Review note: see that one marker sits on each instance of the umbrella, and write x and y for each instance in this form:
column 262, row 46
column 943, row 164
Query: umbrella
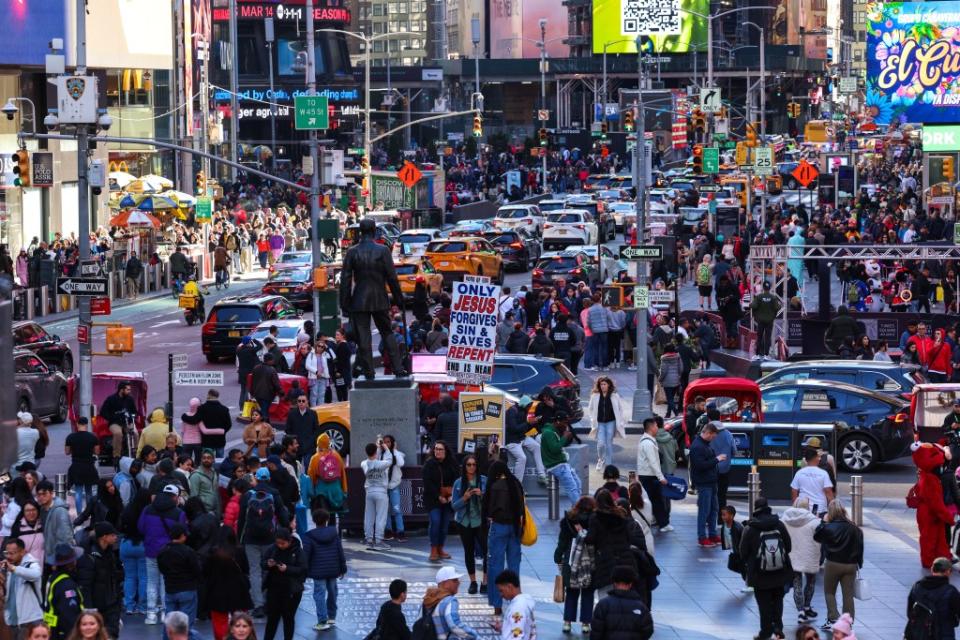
column 120, row 179
column 151, row 202
column 135, row 218
column 181, row 198
column 158, row 182
column 142, row 186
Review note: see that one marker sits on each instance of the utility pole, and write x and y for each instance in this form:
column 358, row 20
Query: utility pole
column 367, row 182
column 85, row 320
column 315, row 161
column 204, row 50
column 234, row 84
column 543, row 97
column 268, row 31
column 641, row 395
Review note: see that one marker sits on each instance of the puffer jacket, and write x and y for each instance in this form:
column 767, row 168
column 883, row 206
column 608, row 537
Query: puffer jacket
column 324, row 550
column 622, row 615
column 610, row 536
column 671, row 368
column 805, row 552
column 517, row 342
column 155, row 523
column 598, row 319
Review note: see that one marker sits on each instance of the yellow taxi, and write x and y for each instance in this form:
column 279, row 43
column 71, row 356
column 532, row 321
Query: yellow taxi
column 410, row 269
column 456, row 257
column 334, row 419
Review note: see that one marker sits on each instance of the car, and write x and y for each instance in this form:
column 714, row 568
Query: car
column 518, row 248
column 286, row 338
column 409, row 269
column 879, row 425
column 527, row 375
column 413, row 242
column 295, row 283
column 596, row 181
column 624, row 214
column 233, row 317
column 687, row 190
column 572, row 265
column 692, row 217
column 608, row 196
column 386, row 234
column 551, row 204
column 293, row 259
column 565, row 227
column 890, row 378
column 30, row 336
column 456, row 257
column 603, row 218
column 471, row 228
column 724, row 196
column 519, row 216
column 39, row 389
column 610, row 262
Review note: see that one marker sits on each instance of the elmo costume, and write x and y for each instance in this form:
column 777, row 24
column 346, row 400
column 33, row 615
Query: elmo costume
column 932, row 514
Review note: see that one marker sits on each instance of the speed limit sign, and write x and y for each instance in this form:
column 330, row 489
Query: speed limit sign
column 763, row 161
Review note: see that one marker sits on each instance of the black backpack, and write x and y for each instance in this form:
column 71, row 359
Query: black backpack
column 423, row 628
column 261, row 521
column 922, row 622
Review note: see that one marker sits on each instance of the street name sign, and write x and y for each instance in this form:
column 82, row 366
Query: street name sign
column 848, row 84
column 90, row 268
column 96, row 287
column 311, row 113
column 198, row 378
column 660, row 296
column 642, row 252
column 763, row 161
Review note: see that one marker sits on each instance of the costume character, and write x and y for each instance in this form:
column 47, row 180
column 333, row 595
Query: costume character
column 932, row 513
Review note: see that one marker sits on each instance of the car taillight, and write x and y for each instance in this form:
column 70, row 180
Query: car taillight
column 579, row 226
column 899, row 418
column 208, row 329
column 527, row 221
column 537, row 273
column 516, row 245
column 380, row 241
column 562, row 383
column 547, row 225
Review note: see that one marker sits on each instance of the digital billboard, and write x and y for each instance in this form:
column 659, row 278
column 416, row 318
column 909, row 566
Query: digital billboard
column 913, row 62
column 28, row 27
column 515, row 28
column 667, row 26
column 792, row 17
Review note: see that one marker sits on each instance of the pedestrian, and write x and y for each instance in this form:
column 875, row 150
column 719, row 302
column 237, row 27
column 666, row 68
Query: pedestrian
column 598, row 322
column 578, row 585
column 724, row 444
column 671, row 369
column 192, row 430
column 342, row 374
column 650, row 473
column 156, row 431
column 804, row 556
column 23, row 604
column 258, row 435
column 553, row 439
column 519, row 437
column 247, row 358
column 63, row 600
column 731, row 533
column 377, row 504
column 100, row 576
column 156, row 525
column 765, row 550
column 302, row 423
column 326, row 563
column 395, row 457
column 83, row 448
column 327, row 475
column 503, row 508
column 842, row 542
column 319, row 364
column 176, row 626
column 265, row 383
column 226, row 583
column 132, row 555
column 205, row 483
column 704, row 472
column 641, row 513
column 55, row 521
column 391, row 623
column 439, row 473
column 106, row 506
column 518, row 612
column 812, row 482
column 132, row 273
column 261, row 512
column 36, row 631
column 609, row 532
column 180, row 567
column 32, row 438
column 216, row 422
column 89, row 626
column 241, row 627
column 441, row 609
column 285, row 564
column 933, row 606
column 765, row 308
column 467, row 504
column 606, row 410
column 704, row 279
column 622, row 614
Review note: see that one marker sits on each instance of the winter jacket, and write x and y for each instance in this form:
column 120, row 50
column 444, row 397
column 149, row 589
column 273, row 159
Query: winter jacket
column 155, row 522
column 180, row 567
column 231, row 513
column 805, row 553
column 516, row 426
column 724, row 444
column 764, row 520
column 671, row 368
column 324, row 553
column 703, row 463
column 100, row 576
column 206, row 486
column 306, row 428
column 648, row 457
column 517, row 342
column 392, row 623
column 568, row 533
column 226, row 584
column 842, row 541
column 29, row 593
column 622, row 615
column 617, row 403
column 214, row 417
column 265, row 383
column 436, row 475
column 944, row 598
column 541, row 346
column 609, row 535
column 281, row 516
column 551, row 447
column 668, row 451
column 939, row 358
column 287, row 583
column 504, row 329
column 598, row 319
column 57, row 527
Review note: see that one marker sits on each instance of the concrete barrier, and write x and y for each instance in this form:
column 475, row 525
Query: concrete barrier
column 486, row 209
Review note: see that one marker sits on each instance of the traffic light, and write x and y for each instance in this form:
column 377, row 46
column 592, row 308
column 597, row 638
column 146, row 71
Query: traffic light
column 544, row 137
column 697, row 159
column 201, row 184
column 793, row 109
column 628, row 120
column 699, row 121
column 751, row 134
column 603, row 129
column 947, row 168
column 119, row 339
column 21, row 168
column 477, row 125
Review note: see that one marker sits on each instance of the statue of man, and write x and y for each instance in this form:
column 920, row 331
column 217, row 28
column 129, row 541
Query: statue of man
column 366, row 274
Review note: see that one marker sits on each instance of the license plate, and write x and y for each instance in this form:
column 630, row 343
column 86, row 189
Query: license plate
column 233, row 334
column 284, row 290
column 444, row 264
column 562, row 232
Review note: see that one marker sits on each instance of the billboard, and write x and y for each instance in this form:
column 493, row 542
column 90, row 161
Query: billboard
column 912, row 70
column 793, row 16
column 116, row 37
column 668, row 26
column 515, row 28
column 943, row 137
column 27, row 28
column 197, row 27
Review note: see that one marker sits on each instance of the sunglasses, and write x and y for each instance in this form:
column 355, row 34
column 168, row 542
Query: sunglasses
column 301, row 402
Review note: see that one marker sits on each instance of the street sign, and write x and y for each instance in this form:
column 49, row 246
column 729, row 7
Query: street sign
column 203, row 211
column 543, row 115
column 710, row 100
column 848, row 84
column 179, row 361
column 711, row 160
column 90, row 268
column 83, row 334
column 472, row 332
column 763, row 161
column 661, row 296
column 198, row 378
column 742, row 154
column 641, row 297
column 721, row 127
column 100, row 306
column 82, row 286
column 805, row 173
column 641, row 252
column 409, row 174
column 311, row 113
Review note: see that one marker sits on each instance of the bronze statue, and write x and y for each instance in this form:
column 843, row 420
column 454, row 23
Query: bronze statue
column 366, row 274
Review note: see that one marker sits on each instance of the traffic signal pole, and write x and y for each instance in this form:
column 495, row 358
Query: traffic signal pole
column 641, row 395
column 85, row 320
column 316, row 257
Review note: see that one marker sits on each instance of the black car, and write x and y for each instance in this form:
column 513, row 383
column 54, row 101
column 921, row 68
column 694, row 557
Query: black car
column 890, row 378
column 40, row 390
column 878, row 426
column 524, row 375
column 293, row 283
column 570, row 265
column 48, row 347
column 386, row 234
column 233, row 317
column 518, row 248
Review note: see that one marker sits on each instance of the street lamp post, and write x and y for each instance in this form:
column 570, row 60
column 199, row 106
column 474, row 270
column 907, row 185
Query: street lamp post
column 543, row 96
column 315, row 160
column 603, row 110
column 641, row 395
column 763, row 117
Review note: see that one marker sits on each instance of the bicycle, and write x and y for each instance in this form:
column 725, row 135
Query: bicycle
column 223, row 278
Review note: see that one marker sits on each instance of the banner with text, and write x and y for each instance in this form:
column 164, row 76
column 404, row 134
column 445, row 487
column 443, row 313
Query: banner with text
column 473, row 332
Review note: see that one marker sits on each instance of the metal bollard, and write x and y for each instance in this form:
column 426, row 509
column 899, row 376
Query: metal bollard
column 60, row 486
column 44, row 300
column 31, row 303
column 553, row 498
column 856, row 500
column 753, row 490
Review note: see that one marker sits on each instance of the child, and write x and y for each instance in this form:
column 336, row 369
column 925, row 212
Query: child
column 377, row 502
column 730, row 533
column 325, row 563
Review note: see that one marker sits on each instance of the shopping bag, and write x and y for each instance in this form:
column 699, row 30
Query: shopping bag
column 861, row 588
column 528, row 536
column 675, row 489
column 558, row 595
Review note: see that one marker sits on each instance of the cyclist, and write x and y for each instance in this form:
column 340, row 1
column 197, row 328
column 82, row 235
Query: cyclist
column 119, row 410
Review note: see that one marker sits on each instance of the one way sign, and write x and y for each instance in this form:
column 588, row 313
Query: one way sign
column 82, row 286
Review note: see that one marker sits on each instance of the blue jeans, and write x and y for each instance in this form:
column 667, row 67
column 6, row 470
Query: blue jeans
column 605, row 431
column 394, row 515
column 81, row 492
column 134, row 576
column 155, row 588
column 707, row 510
column 600, row 349
column 185, row 601
column 325, row 598
column 502, row 542
column 569, row 481
column 439, row 524
column 589, row 353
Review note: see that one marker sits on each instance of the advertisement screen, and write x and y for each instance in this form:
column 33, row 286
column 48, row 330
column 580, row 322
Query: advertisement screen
column 116, row 37
column 793, row 16
column 292, row 58
column 27, row 28
column 667, row 26
column 912, row 69
column 515, row 28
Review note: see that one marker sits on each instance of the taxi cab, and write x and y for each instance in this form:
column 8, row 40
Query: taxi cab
column 470, row 255
column 409, row 269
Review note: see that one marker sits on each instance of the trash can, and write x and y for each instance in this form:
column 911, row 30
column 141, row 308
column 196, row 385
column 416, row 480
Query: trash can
column 744, row 459
column 776, row 453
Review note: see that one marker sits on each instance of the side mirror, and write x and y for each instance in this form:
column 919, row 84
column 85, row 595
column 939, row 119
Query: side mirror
column 56, row 338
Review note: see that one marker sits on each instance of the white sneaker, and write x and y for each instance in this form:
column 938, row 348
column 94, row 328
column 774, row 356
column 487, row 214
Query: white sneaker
column 151, row 619
column 746, row 590
column 322, row 626
column 599, row 464
column 666, row 529
column 379, row 546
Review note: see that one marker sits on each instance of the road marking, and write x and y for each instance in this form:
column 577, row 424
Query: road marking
column 164, row 323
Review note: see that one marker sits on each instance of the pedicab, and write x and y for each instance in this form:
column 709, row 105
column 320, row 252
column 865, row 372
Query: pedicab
column 929, row 405
column 281, row 406
column 737, row 399
column 105, row 385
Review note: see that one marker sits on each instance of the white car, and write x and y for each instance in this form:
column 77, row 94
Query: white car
column 520, row 216
column 610, row 262
column 624, row 213
column 565, row 227
column 287, row 331
column 413, row 242
column 551, row 204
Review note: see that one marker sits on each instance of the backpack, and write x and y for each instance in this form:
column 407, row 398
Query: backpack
column 329, row 467
column 771, row 555
column 703, row 275
column 922, row 622
column 261, row 518
column 423, row 628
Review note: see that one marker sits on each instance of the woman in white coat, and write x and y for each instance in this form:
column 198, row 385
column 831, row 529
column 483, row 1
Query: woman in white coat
column 804, row 556
column 606, row 412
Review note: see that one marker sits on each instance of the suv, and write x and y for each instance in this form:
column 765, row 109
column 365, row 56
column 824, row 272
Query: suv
column 40, row 390
column 570, row 264
column 884, row 377
column 386, row 234
column 233, row 317
column 564, row 227
column 524, row 375
column 54, row 352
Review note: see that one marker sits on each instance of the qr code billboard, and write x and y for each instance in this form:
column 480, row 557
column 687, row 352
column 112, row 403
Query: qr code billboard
column 650, row 17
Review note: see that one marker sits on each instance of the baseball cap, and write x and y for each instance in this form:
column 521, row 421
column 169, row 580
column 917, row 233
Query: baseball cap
column 263, row 473
column 172, row 489
column 813, row 443
column 448, row 573
column 956, row 402
column 525, row 401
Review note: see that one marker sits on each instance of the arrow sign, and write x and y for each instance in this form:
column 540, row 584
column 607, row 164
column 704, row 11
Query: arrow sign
column 805, row 173
column 96, row 287
column 710, row 101
column 409, row 174
column 91, row 268
column 642, row 252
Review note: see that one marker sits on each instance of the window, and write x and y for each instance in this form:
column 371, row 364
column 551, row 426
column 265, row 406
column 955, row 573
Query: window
column 779, row 400
column 838, row 375
column 502, row 374
column 878, row 382
column 30, row 364
column 790, row 376
column 29, row 334
column 819, row 400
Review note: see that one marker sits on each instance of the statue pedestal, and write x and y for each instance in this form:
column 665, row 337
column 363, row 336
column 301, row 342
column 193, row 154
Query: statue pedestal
column 382, row 407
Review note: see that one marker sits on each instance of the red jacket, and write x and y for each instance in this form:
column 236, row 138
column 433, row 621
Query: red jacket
column 924, row 345
column 939, row 358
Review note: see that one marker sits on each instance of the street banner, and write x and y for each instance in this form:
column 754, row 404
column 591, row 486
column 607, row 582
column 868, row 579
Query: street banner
column 473, row 330
column 679, row 133
column 481, row 417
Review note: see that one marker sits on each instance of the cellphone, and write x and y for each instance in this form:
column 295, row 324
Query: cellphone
column 4, row 477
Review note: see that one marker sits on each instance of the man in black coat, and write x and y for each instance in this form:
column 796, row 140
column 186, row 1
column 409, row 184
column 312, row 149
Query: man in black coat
column 265, row 384
column 214, row 415
column 100, row 576
column 622, row 615
column 448, row 425
column 768, row 582
column 248, row 357
column 302, row 422
column 366, row 274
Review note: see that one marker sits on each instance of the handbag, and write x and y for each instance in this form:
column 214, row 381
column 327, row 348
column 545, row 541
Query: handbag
column 861, row 588
column 558, row 595
column 583, row 561
column 675, row 489
column 528, row 537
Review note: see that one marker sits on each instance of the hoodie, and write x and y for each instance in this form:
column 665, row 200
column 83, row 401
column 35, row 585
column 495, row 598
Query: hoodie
column 805, row 553
column 57, row 527
column 155, row 522
column 446, row 615
column 125, row 483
